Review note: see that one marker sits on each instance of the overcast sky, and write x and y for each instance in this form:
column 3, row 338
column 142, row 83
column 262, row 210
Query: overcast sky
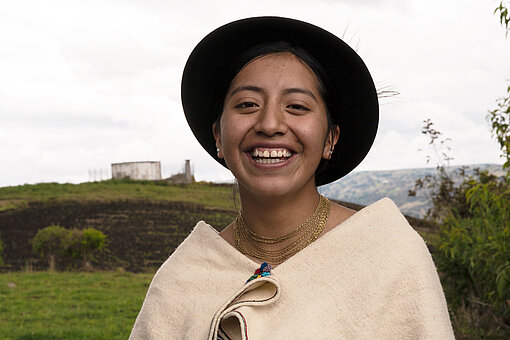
column 84, row 84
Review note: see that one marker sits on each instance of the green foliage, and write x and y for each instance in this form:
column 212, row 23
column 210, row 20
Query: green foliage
column 50, row 243
column 474, row 251
column 504, row 16
column 57, row 242
column 499, row 119
column 84, row 243
column 473, row 214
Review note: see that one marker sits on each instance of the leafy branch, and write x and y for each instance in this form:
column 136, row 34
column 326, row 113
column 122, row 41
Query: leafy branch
column 504, row 16
column 499, row 119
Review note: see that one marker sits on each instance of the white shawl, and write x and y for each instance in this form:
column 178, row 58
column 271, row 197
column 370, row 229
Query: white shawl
column 371, row 277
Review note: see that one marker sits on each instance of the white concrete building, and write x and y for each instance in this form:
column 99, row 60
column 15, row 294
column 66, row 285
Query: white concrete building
column 137, row 170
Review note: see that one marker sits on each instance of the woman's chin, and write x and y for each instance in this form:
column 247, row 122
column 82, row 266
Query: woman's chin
column 273, row 187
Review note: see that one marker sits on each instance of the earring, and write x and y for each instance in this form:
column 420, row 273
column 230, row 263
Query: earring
column 330, row 153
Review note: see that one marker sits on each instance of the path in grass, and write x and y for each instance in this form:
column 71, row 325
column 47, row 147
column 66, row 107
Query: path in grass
column 44, row 305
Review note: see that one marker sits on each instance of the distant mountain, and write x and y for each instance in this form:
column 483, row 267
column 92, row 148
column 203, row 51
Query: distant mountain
column 366, row 187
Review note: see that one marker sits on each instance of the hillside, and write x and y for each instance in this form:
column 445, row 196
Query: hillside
column 366, row 187
column 209, row 194
column 144, row 221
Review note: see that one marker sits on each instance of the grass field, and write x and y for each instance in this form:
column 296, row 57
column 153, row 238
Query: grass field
column 44, row 305
column 210, row 195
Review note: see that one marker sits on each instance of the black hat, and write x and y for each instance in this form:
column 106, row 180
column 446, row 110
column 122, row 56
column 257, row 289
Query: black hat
column 208, row 72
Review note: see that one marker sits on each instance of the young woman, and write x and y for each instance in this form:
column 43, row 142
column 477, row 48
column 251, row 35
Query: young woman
column 287, row 106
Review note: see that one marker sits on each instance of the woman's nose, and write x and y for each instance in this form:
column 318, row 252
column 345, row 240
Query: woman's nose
column 271, row 121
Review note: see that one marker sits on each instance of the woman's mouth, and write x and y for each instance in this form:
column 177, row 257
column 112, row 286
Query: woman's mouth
column 270, row 155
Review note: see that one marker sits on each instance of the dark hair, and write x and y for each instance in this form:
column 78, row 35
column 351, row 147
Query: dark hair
column 323, row 81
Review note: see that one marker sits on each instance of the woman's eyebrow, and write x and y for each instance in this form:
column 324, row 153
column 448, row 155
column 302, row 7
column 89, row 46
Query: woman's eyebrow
column 299, row 90
column 247, row 88
column 261, row 90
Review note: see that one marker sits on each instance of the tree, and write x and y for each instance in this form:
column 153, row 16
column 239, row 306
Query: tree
column 50, row 243
column 85, row 243
column 54, row 241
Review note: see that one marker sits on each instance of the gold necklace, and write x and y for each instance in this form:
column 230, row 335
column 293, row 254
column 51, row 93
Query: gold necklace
column 247, row 241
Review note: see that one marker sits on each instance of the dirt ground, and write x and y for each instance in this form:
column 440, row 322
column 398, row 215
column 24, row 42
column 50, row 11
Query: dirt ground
column 140, row 234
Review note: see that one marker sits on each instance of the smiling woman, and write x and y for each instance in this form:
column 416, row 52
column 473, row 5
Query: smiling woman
column 274, row 107
column 287, row 106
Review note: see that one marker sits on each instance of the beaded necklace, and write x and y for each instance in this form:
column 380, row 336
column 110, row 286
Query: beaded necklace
column 249, row 242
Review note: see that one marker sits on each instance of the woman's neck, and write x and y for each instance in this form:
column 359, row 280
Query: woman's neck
column 274, row 216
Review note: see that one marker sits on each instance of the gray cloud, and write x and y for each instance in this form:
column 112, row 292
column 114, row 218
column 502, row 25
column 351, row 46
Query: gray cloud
column 85, row 84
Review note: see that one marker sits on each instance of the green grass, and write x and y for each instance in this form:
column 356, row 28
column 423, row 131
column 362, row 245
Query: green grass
column 43, row 305
column 210, row 195
column 430, row 237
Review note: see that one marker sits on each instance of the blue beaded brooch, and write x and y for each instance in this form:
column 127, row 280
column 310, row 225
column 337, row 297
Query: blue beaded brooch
column 264, row 270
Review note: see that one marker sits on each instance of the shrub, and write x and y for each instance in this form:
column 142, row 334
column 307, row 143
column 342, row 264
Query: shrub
column 473, row 214
column 474, row 252
column 54, row 241
column 84, row 243
column 50, row 243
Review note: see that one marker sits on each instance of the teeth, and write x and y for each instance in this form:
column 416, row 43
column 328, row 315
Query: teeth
column 268, row 160
column 271, row 153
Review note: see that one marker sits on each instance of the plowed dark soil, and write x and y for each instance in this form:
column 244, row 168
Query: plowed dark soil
column 140, row 234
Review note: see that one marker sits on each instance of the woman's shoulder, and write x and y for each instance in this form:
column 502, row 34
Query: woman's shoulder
column 385, row 230
column 204, row 255
column 379, row 228
column 195, row 281
column 202, row 265
column 382, row 216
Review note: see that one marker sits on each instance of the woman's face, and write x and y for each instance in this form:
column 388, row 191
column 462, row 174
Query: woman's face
column 273, row 128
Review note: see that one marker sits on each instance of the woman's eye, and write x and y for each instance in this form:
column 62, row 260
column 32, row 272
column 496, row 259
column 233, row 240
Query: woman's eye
column 298, row 107
column 245, row 105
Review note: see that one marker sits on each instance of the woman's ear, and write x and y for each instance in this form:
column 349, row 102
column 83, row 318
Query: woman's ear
column 331, row 140
column 217, row 137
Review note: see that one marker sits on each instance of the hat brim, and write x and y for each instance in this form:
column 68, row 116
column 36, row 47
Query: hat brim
column 357, row 111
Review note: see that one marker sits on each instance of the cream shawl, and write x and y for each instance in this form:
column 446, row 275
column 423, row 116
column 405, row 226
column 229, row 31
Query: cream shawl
column 371, row 277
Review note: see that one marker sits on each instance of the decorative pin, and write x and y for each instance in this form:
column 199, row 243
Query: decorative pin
column 264, row 270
